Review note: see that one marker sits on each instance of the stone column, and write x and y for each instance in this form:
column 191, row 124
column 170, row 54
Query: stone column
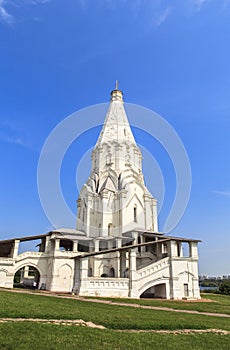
column 135, row 236
column 143, row 247
column 75, row 246
column 15, row 248
column 193, row 250
column 96, row 259
column 173, row 248
column 84, row 265
column 132, row 272
column 26, row 271
column 155, row 216
column 57, row 244
column 173, row 253
column 118, row 242
column 122, row 263
column 84, row 268
column 47, row 241
column 87, row 221
column 96, row 245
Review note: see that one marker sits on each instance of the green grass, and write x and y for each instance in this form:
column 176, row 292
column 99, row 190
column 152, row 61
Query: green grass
column 220, row 304
column 38, row 336
column 24, row 336
column 111, row 316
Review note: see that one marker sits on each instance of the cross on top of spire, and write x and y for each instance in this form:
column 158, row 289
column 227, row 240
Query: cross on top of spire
column 116, row 94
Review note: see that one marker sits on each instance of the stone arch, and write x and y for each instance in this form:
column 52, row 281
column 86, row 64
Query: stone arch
column 185, row 276
column 156, row 291
column 29, row 263
column 65, row 279
column 153, row 285
column 65, row 266
column 185, row 284
column 27, row 276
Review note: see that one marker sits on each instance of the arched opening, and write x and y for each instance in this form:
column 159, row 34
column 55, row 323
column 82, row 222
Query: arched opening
column 135, row 213
column 157, row 291
column 66, row 245
column 139, row 242
column 110, row 226
column 83, row 246
column 27, row 277
column 104, row 275
column 112, row 272
column 90, row 272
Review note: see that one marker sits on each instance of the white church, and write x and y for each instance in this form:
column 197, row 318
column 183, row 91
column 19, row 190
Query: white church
column 116, row 249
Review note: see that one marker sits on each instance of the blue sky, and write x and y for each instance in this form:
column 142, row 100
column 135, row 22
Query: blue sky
column 173, row 57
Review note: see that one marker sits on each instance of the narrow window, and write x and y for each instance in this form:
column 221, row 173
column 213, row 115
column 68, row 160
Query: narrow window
column 135, row 214
column 186, row 289
column 125, row 132
column 110, row 229
column 139, row 242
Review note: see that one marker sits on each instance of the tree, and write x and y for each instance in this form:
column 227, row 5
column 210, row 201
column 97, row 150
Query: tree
column 225, row 287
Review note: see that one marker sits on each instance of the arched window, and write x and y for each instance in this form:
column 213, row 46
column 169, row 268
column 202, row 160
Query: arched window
column 110, row 229
column 90, row 272
column 135, row 213
column 112, row 272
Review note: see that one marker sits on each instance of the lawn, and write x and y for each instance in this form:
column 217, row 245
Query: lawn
column 27, row 335
column 220, row 304
column 24, row 336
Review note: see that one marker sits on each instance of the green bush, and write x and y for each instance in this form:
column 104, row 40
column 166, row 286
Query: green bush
column 225, row 287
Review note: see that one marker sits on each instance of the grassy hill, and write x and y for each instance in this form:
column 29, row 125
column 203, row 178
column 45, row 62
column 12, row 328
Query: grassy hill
column 126, row 327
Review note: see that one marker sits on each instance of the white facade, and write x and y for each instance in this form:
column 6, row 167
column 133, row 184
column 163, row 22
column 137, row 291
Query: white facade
column 115, row 199
column 116, row 249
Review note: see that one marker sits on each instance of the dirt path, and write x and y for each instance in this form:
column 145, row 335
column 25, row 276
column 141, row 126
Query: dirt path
column 53, row 321
column 153, row 307
column 51, row 294
column 93, row 325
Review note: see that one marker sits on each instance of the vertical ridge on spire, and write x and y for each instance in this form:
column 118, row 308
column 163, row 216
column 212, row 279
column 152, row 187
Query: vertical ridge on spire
column 116, row 126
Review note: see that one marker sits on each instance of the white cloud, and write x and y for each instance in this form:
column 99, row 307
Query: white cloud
column 4, row 15
column 7, row 17
column 10, row 139
column 35, row 2
column 11, row 133
column 161, row 18
column 223, row 193
column 199, row 3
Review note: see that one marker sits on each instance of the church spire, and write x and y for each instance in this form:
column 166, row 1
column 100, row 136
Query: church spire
column 115, row 193
column 116, row 126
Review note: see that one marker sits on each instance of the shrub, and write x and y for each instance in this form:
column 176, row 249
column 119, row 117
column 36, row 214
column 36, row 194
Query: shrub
column 225, row 287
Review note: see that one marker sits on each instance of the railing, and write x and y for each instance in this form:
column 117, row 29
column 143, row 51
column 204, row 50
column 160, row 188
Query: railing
column 6, row 261
column 114, row 283
column 29, row 254
column 152, row 268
